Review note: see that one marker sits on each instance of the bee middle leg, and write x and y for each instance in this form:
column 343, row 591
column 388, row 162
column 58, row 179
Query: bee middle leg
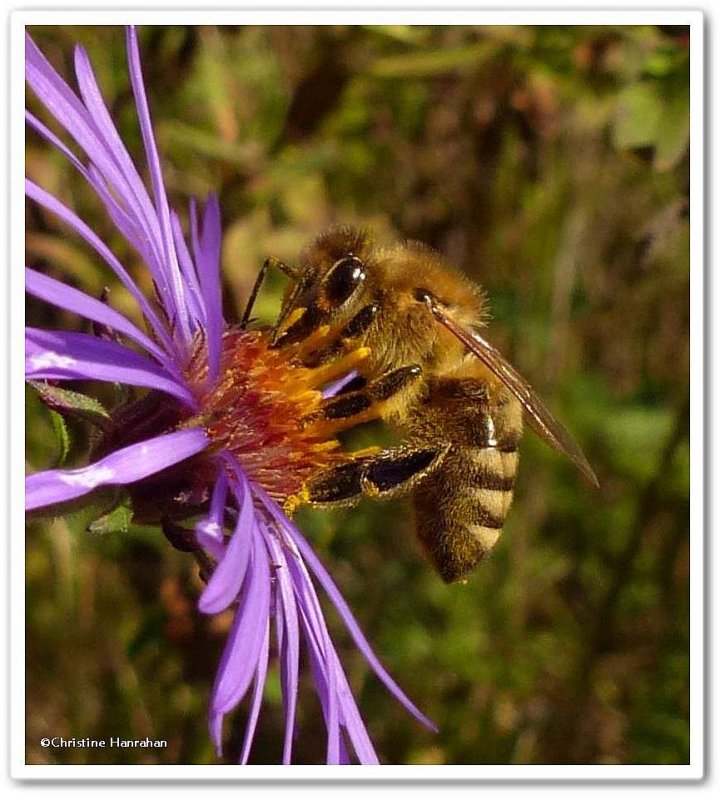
column 361, row 405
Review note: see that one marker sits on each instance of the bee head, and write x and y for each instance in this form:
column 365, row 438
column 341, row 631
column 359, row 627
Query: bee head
column 331, row 276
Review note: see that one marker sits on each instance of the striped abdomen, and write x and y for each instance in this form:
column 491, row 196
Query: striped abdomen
column 461, row 508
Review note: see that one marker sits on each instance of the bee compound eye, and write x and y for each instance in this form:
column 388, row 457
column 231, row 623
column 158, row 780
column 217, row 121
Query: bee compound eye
column 342, row 280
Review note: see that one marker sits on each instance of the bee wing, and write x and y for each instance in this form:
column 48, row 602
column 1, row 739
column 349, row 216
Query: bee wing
column 537, row 414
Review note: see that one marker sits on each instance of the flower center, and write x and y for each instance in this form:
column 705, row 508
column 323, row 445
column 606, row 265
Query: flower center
column 266, row 409
column 265, row 406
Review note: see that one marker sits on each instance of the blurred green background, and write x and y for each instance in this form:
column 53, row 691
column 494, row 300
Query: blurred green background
column 549, row 163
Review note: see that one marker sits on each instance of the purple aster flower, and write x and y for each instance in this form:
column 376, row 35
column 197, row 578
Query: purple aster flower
column 212, row 438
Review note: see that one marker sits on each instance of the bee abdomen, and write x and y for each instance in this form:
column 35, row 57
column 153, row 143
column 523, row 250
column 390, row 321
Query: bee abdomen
column 462, row 507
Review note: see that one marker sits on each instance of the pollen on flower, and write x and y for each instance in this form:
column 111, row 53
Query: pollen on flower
column 264, row 409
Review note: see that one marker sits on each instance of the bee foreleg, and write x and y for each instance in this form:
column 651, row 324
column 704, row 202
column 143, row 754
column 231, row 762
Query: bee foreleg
column 268, row 262
column 347, row 338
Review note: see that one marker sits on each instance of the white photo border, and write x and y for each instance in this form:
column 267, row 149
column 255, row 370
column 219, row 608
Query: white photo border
column 327, row 15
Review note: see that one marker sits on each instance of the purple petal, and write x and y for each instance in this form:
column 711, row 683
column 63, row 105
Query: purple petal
column 333, row 701
column 333, row 710
column 131, row 229
column 337, row 386
column 135, row 231
column 319, row 666
column 63, row 296
column 288, row 642
column 48, row 134
column 194, row 227
column 242, row 652
column 216, row 721
column 193, row 290
column 121, row 467
column 207, row 256
column 256, row 697
column 173, row 273
column 341, row 709
column 210, row 530
column 358, row 637
column 225, row 583
column 70, row 112
column 140, row 202
column 344, row 610
column 47, row 200
column 112, row 172
column 321, row 651
column 66, row 108
column 60, row 355
column 353, row 721
column 338, row 703
column 128, row 227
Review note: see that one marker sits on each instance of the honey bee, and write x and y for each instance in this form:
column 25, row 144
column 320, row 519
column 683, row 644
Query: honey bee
column 430, row 374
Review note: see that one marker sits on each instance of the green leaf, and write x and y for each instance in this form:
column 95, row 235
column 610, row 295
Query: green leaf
column 208, row 144
column 402, row 34
column 116, row 521
column 434, row 62
column 638, row 116
column 657, row 115
column 673, row 135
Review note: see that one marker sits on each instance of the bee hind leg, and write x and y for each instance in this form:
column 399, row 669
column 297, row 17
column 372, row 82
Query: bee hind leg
column 395, row 471
column 383, row 475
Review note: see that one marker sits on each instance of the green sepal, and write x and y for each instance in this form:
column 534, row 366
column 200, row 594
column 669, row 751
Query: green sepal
column 65, row 401
column 61, row 433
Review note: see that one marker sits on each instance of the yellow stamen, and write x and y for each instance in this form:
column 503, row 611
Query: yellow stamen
column 336, row 369
column 315, row 341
